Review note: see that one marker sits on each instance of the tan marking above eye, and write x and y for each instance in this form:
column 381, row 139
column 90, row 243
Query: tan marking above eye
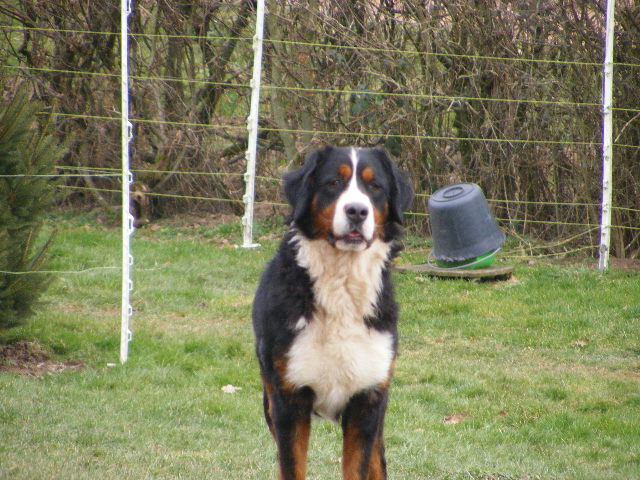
column 367, row 174
column 344, row 171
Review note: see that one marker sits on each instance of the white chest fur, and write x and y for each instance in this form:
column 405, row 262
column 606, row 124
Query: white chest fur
column 335, row 353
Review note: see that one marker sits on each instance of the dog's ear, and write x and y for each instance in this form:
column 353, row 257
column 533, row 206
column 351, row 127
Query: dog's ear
column 404, row 195
column 299, row 187
column 401, row 192
column 295, row 181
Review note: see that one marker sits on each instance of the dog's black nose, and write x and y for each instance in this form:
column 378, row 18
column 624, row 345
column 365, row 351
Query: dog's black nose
column 356, row 212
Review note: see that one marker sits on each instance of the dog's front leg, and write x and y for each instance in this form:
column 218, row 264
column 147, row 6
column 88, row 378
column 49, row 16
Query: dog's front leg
column 291, row 425
column 363, row 444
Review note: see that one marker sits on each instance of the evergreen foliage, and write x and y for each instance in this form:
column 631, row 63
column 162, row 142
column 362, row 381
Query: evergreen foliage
column 25, row 151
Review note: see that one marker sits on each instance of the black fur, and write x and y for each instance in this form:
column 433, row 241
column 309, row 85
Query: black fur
column 284, row 295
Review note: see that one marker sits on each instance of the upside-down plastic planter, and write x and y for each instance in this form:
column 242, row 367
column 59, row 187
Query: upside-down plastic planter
column 465, row 233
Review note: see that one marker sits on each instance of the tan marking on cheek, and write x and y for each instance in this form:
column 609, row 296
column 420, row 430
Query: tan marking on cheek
column 344, row 171
column 322, row 218
column 367, row 174
column 380, row 218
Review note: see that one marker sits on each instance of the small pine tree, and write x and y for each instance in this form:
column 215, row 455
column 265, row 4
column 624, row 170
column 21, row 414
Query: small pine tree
column 25, row 151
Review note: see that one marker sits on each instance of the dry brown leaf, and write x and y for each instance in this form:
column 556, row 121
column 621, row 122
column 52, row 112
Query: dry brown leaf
column 455, row 418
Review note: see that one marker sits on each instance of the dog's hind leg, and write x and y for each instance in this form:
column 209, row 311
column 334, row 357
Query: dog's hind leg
column 363, row 445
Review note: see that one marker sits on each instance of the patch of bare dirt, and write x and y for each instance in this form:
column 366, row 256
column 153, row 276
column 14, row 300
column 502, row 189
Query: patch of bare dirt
column 30, row 359
column 626, row 263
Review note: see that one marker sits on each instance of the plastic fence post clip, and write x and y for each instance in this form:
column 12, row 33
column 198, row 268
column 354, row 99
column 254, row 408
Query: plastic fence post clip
column 131, row 227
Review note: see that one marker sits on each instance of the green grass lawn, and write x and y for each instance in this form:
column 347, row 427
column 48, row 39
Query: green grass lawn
column 533, row 378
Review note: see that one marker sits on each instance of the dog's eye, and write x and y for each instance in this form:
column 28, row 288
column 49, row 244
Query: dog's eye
column 375, row 186
column 334, row 182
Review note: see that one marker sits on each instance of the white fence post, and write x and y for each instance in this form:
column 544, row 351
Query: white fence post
column 252, row 127
column 127, row 218
column 607, row 140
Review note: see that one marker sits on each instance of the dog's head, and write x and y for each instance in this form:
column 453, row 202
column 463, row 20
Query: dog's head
column 348, row 196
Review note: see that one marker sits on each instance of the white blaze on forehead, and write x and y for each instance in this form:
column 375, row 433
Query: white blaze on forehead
column 353, row 194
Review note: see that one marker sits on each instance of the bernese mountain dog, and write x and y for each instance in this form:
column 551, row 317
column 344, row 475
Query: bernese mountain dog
column 324, row 314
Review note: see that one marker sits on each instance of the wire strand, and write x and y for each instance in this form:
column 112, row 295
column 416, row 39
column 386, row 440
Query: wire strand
column 320, row 90
column 54, row 175
column 526, row 202
column 546, row 255
column 430, row 96
column 134, row 77
column 281, row 204
column 311, row 44
column 432, row 137
column 152, row 194
column 131, row 34
column 328, row 132
column 36, row 272
column 438, row 54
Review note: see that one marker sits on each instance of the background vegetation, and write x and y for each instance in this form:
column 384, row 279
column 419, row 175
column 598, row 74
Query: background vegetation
column 27, row 192
column 502, row 93
column 535, row 378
